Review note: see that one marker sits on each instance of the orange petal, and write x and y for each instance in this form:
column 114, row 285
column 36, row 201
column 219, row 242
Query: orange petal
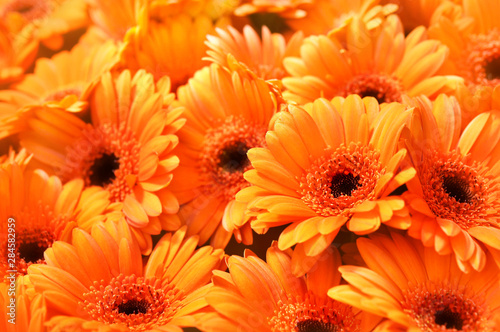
column 136, row 216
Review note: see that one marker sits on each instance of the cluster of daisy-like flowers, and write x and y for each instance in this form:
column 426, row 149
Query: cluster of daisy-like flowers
column 250, row 165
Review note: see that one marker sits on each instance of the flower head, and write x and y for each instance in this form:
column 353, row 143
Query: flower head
column 44, row 21
column 455, row 193
column 126, row 149
column 472, row 33
column 41, row 210
column 418, row 288
column 148, row 45
column 422, row 12
column 28, row 312
column 120, row 294
column 264, row 56
column 259, row 296
column 333, row 163
column 227, row 114
column 318, row 16
column 17, row 53
column 56, row 83
column 381, row 63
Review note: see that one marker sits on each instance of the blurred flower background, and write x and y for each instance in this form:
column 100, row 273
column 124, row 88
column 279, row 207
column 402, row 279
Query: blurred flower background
column 250, row 165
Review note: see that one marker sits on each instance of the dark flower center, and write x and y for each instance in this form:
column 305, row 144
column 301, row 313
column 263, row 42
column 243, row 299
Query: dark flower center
column 379, row 95
column 492, row 69
column 342, row 184
column 133, row 307
column 32, row 252
column 273, row 21
column 24, row 8
column 102, row 171
column 458, row 189
column 233, row 158
column 311, row 325
column 448, row 318
column 384, row 88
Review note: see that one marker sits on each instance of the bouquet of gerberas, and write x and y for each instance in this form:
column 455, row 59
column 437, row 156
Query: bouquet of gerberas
column 249, row 165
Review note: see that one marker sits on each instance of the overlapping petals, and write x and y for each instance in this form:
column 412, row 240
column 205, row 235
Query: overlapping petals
column 382, row 63
column 162, row 295
column 456, row 189
column 332, row 164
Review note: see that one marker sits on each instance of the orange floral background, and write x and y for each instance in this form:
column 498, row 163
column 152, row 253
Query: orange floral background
column 250, row 165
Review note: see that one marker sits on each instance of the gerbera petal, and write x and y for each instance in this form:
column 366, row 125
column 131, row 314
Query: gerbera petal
column 89, row 253
column 381, row 262
column 309, row 133
column 130, row 260
column 280, row 263
column 230, row 305
column 426, row 67
column 351, row 296
column 488, row 235
column 182, row 255
column 191, row 279
column 318, row 243
column 134, row 211
column 293, row 144
column 265, row 182
column 463, row 245
column 329, row 122
column 472, row 132
column 69, row 196
column 108, row 246
column 449, row 227
column 322, row 277
column 364, row 222
column 263, row 161
column 65, row 282
column 253, row 283
column 67, row 259
column 371, row 283
column 281, row 155
column 150, row 202
column 331, row 224
column 353, row 116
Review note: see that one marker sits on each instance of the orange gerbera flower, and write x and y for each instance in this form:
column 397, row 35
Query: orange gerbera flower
column 326, row 15
column 43, row 20
column 315, row 17
column 420, row 289
column 473, row 37
column 456, row 192
column 331, row 164
column 126, row 149
column 227, row 114
column 148, row 45
column 22, row 309
column 17, row 53
column 40, row 210
column 260, row 296
column 420, row 12
column 381, row 63
column 119, row 294
column 56, row 83
column 472, row 33
column 56, row 78
column 262, row 56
